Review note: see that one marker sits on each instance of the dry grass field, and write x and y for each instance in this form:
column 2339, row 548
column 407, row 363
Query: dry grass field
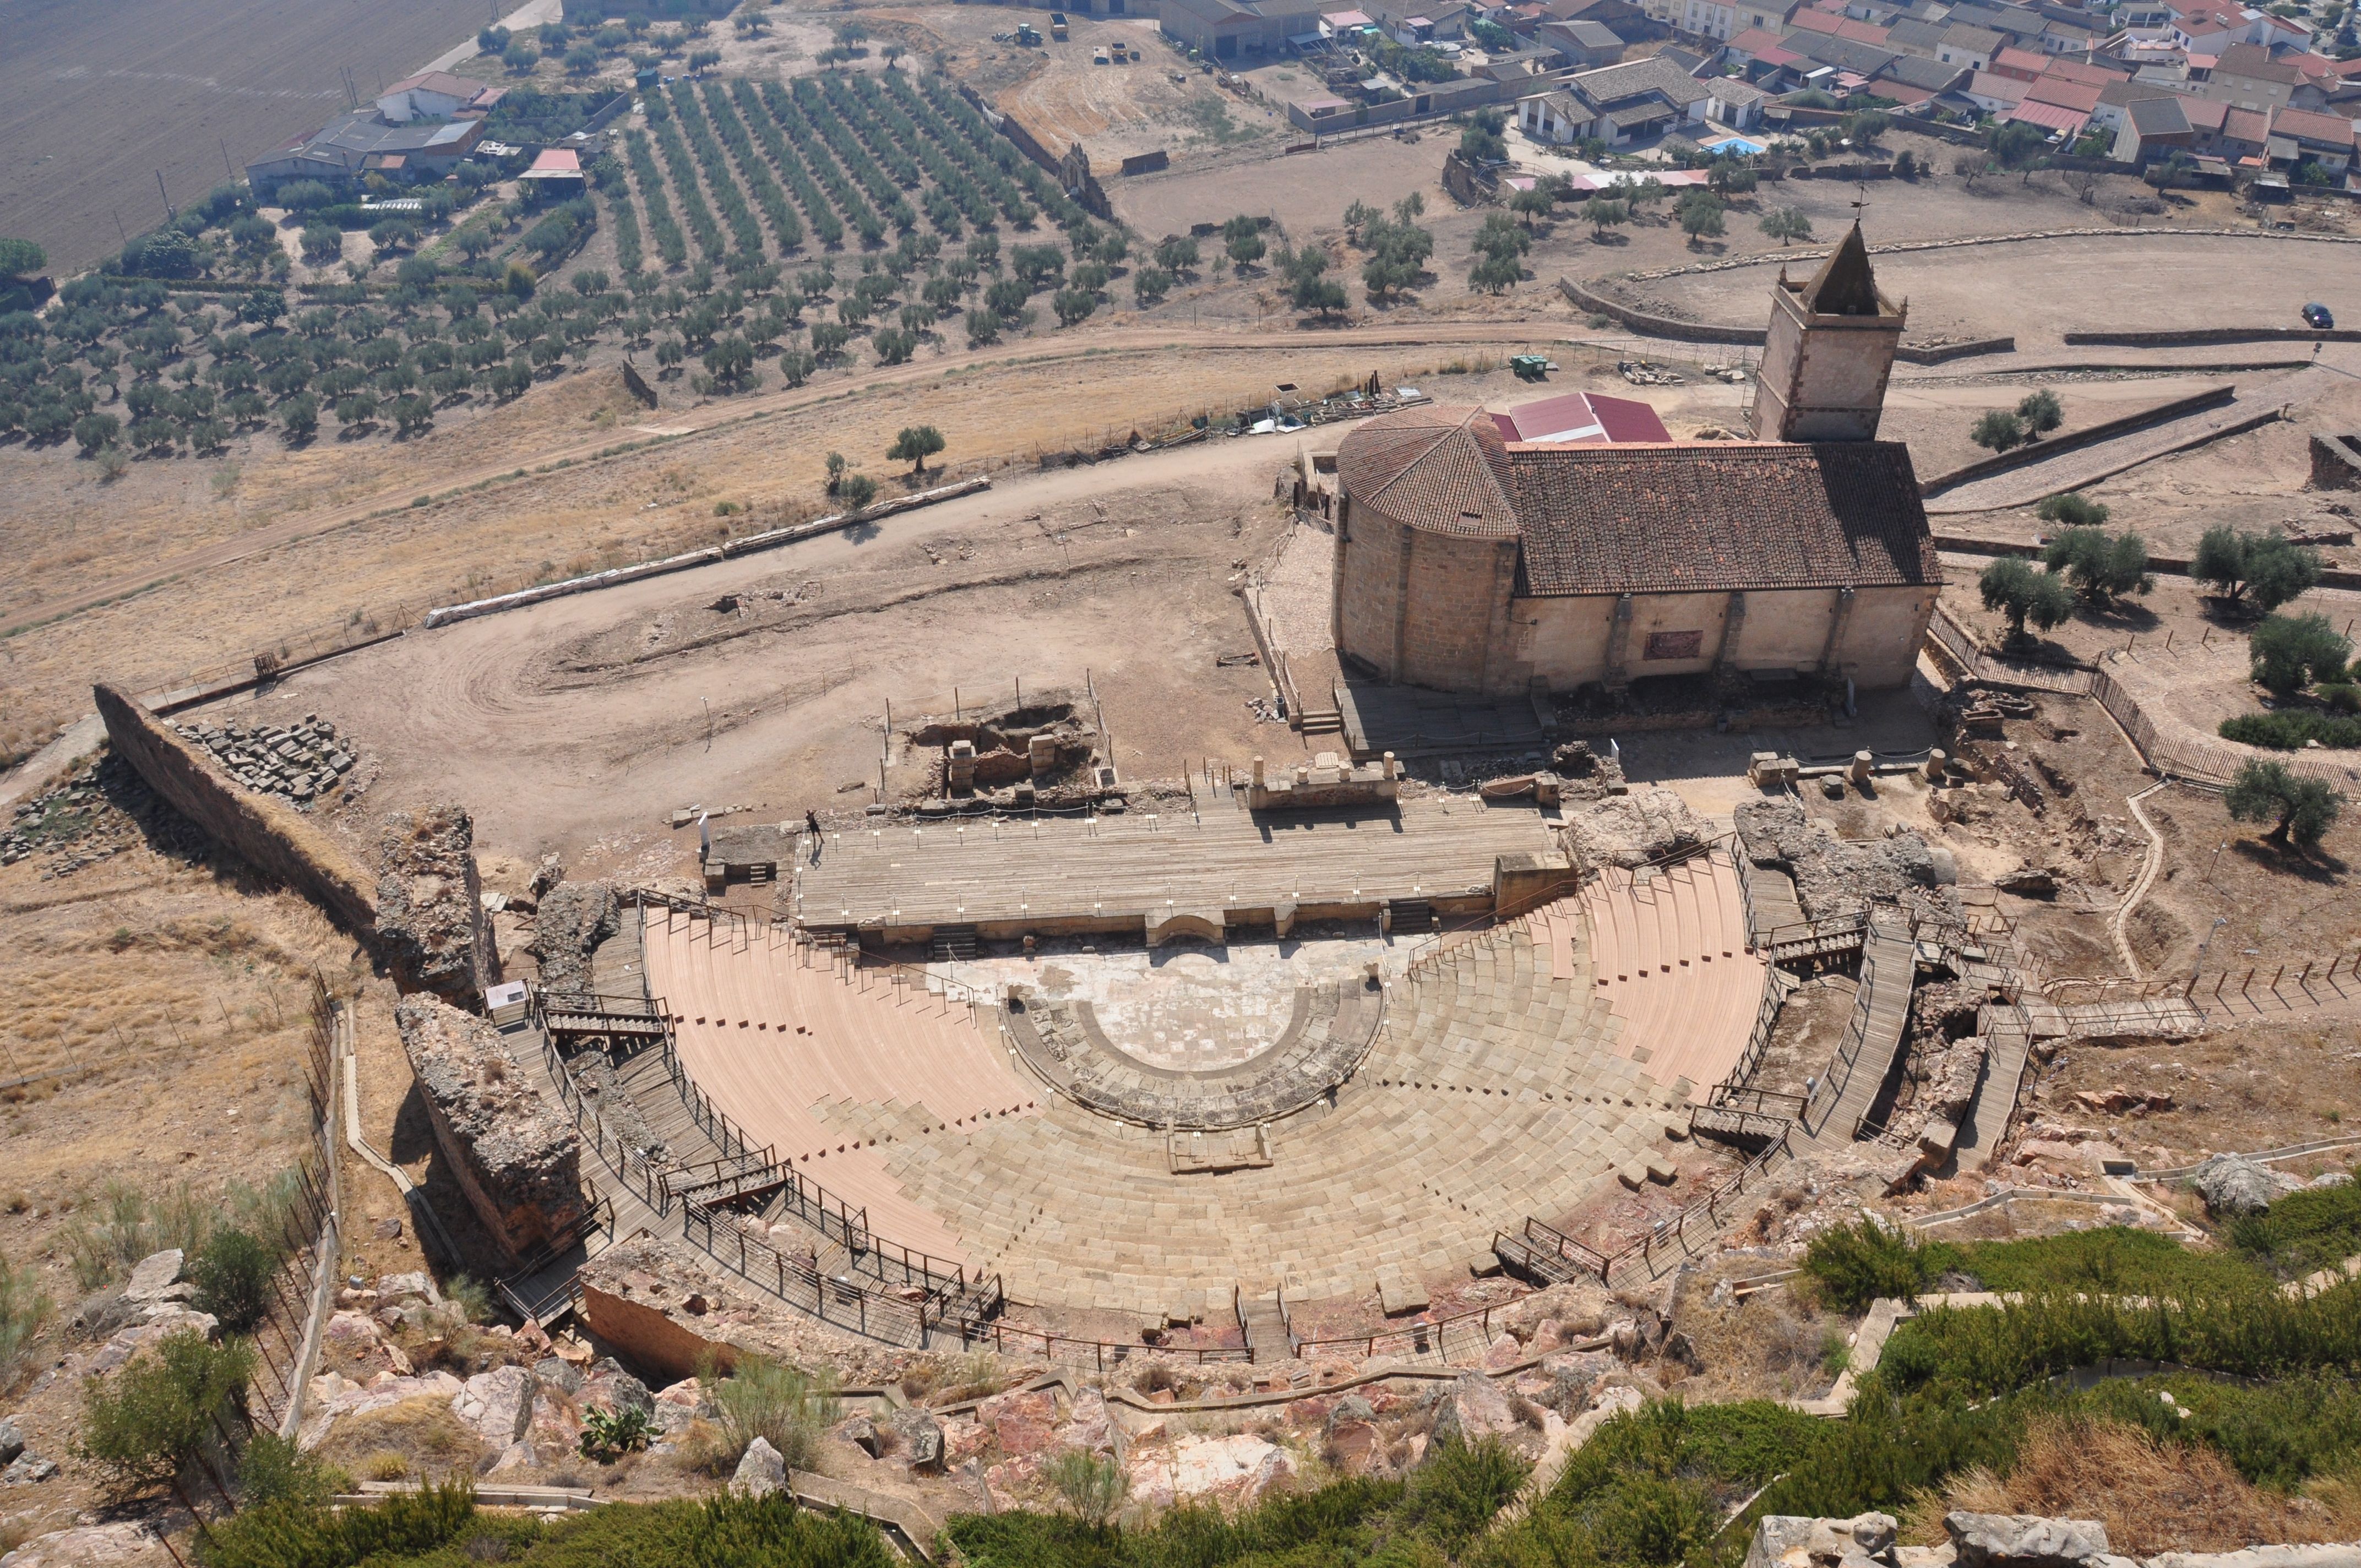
column 94, row 100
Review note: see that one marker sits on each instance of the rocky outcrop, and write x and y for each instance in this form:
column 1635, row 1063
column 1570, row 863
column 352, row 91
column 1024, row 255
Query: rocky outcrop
column 1632, row 830
column 2231, row 1185
column 429, row 905
column 516, row 1155
column 575, row 917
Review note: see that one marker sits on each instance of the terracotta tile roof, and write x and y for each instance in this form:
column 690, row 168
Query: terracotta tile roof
column 1712, row 516
column 1654, row 517
column 1444, row 469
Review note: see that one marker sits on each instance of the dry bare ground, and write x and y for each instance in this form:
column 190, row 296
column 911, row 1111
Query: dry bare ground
column 97, row 100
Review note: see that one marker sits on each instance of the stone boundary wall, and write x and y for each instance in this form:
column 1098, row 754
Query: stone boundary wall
column 1753, row 337
column 1907, row 247
column 1660, row 326
column 2072, row 441
column 2205, row 334
column 274, row 838
column 2172, row 565
column 775, row 537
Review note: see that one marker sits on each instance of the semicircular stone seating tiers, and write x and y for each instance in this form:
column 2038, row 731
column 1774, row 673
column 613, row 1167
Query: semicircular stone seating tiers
column 1327, row 1034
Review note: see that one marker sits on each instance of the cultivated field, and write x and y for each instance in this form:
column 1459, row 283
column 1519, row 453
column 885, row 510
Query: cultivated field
column 95, row 99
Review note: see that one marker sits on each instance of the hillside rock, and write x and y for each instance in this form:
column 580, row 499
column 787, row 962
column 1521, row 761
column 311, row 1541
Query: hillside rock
column 1632, row 830
column 761, row 1472
column 2233, row 1184
column 429, row 905
column 2023, row 1541
column 516, row 1157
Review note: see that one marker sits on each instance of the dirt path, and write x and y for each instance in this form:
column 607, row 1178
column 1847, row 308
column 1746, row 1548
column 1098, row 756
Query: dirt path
column 2087, row 466
column 692, row 421
column 578, row 725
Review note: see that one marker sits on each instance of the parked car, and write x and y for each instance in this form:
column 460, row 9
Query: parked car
column 2317, row 315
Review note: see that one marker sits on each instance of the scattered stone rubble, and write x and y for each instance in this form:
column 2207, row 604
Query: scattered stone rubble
column 302, row 763
column 1996, row 1540
column 1837, row 876
column 517, row 1156
column 429, row 905
column 98, row 812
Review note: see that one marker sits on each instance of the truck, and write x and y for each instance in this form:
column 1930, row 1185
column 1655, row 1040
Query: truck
column 1058, row 26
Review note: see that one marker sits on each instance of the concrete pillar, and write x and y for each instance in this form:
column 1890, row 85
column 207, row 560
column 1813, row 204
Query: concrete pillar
column 1390, row 766
column 1257, row 773
column 1859, row 770
column 959, row 772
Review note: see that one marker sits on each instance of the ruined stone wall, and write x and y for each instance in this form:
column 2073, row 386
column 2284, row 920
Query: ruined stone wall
column 516, row 1156
column 272, row 836
column 429, row 905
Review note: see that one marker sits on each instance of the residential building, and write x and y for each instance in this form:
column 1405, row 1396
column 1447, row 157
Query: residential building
column 2248, row 77
column 2303, row 136
column 1971, row 47
column 1618, row 104
column 2108, row 113
column 435, row 95
column 1583, row 46
column 2152, row 128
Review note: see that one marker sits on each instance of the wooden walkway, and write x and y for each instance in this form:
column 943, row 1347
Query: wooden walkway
column 1142, row 867
column 1881, row 1018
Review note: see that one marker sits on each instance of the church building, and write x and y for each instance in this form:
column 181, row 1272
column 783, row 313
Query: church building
column 1471, row 559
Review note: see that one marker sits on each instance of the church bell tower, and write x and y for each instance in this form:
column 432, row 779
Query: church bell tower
column 1829, row 352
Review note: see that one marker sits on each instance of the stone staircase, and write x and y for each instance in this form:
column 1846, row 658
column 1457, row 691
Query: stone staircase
column 1263, row 1316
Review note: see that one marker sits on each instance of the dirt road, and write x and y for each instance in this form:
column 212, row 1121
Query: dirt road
column 714, row 416
column 578, row 725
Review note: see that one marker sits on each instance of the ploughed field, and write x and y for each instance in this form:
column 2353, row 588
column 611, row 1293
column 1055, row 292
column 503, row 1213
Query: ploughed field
column 95, row 99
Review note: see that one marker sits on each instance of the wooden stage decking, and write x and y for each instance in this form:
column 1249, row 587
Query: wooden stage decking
column 1166, row 872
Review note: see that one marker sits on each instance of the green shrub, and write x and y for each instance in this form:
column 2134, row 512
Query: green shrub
column 2287, row 728
column 24, row 1311
column 770, row 1399
column 2291, row 651
column 1854, row 1264
column 2113, row 1257
column 232, row 1274
column 439, row 1528
column 2303, row 1231
column 158, row 1413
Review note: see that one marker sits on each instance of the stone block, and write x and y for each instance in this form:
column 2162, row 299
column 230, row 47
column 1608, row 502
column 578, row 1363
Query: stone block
column 761, row 1472
column 1399, row 1293
column 2023, row 1541
column 153, row 1275
column 496, row 1405
column 1789, row 1541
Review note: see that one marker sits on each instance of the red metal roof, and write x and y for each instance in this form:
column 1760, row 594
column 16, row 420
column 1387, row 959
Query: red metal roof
column 1582, row 416
column 2050, row 116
